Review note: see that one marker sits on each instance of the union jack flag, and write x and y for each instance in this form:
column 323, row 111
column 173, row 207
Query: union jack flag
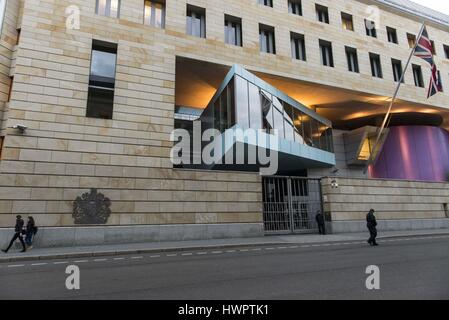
column 424, row 50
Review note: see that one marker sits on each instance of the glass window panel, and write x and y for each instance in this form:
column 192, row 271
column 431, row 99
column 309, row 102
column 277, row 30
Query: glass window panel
column 2, row 13
column 307, row 130
column 103, row 64
column 100, row 103
column 279, row 123
column 298, row 123
column 231, row 104
column 241, row 91
column 267, row 111
column 255, row 107
column 224, row 111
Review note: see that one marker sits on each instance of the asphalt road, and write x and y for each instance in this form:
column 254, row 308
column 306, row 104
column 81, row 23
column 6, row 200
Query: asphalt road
column 410, row 268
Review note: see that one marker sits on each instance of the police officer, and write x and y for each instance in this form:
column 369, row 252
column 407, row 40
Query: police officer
column 371, row 223
column 17, row 235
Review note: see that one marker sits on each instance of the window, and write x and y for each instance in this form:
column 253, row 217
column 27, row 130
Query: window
column 417, row 75
column 266, row 38
column 11, row 83
column 108, row 8
column 233, row 30
column 347, row 21
column 376, row 67
column 298, row 46
column 371, row 30
column 446, row 51
column 268, row 3
column 196, row 21
column 392, row 35
column 327, row 58
column 353, row 61
column 100, row 98
column 322, row 13
column 155, row 13
column 295, row 7
column 411, row 38
column 397, row 70
column 2, row 13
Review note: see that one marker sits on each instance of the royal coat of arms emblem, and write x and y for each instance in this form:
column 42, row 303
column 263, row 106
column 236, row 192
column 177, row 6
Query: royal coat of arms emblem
column 91, row 208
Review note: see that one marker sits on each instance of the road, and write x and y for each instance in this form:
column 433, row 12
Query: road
column 410, row 268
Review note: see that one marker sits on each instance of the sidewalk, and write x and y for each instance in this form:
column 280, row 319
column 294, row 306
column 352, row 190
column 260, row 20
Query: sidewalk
column 139, row 248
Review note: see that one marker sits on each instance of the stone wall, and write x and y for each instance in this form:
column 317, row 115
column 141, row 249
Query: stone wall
column 399, row 205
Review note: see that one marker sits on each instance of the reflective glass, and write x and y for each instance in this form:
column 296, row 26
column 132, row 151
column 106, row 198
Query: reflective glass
column 241, row 88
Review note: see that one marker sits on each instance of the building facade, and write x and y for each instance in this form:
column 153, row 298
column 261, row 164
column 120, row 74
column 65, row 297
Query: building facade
column 91, row 91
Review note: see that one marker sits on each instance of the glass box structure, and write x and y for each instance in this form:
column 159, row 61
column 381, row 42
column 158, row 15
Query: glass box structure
column 244, row 101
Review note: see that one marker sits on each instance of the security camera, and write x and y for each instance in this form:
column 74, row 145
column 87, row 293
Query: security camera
column 20, row 127
column 334, row 184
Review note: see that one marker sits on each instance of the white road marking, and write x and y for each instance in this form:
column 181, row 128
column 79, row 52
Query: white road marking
column 156, row 256
column 61, row 262
column 100, row 260
column 244, row 250
column 201, row 253
column 269, row 248
column 231, row 251
column 187, row 254
column 16, row 265
column 257, row 249
column 136, row 258
column 172, row 255
column 39, row 264
column 217, row 252
column 81, row 261
column 117, row 259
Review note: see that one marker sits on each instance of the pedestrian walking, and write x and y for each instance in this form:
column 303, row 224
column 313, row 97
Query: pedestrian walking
column 372, row 227
column 321, row 223
column 31, row 231
column 18, row 234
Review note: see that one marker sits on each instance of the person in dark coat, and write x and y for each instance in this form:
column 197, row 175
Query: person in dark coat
column 30, row 232
column 321, row 223
column 371, row 223
column 17, row 234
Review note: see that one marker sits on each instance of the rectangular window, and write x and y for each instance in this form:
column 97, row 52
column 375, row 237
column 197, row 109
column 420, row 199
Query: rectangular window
column 298, row 46
column 108, row 8
column 434, row 52
column 266, row 39
column 327, row 58
column 371, row 30
column 397, row 70
column 268, row 3
column 322, row 13
column 155, row 13
column 233, row 30
column 2, row 13
column 417, row 75
column 100, row 100
column 295, row 7
column 411, row 38
column 446, row 51
column 196, row 21
column 353, row 61
column 392, row 35
column 347, row 21
column 376, row 67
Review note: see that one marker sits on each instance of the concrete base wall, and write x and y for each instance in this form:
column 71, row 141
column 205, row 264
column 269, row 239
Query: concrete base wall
column 388, row 225
column 88, row 236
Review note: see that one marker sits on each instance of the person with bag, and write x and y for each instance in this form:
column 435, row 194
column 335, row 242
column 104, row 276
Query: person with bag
column 18, row 234
column 31, row 231
column 372, row 227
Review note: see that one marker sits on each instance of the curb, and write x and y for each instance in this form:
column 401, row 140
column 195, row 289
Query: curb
column 182, row 249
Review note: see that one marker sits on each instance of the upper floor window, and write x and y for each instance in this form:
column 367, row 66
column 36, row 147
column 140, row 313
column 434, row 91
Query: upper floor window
column 298, row 46
column 397, row 70
column 376, row 67
column 371, row 30
column 233, row 30
column 322, row 13
column 327, row 57
column 108, row 8
column 100, row 98
column 411, row 39
column 266, row 39
column 295, row 7
column 417, row 75
column 446, row 51
column 434, row 51
column 353, row 61
column 268, row 3
column 155, row 13
column 196, row 21
column 392, row 35
column 347, row 21
column 2, row 13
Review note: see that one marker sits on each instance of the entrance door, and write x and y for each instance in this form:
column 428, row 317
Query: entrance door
column 290, row 204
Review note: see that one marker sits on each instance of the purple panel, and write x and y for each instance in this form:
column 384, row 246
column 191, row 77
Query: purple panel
column 414, row 153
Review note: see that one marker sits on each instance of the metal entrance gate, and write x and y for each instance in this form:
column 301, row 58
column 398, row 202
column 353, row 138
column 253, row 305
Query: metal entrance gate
column 290, row 205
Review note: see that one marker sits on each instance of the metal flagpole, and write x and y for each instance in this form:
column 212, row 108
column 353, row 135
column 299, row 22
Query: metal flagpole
column 387, row 116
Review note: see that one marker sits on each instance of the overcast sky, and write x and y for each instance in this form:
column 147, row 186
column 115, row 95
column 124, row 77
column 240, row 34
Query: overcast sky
column 440, row 5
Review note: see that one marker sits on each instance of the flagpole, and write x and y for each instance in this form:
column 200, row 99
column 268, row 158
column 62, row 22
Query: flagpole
column 393, row 99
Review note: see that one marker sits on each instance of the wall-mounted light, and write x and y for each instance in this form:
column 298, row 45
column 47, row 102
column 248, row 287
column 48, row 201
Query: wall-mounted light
column 334, row 184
